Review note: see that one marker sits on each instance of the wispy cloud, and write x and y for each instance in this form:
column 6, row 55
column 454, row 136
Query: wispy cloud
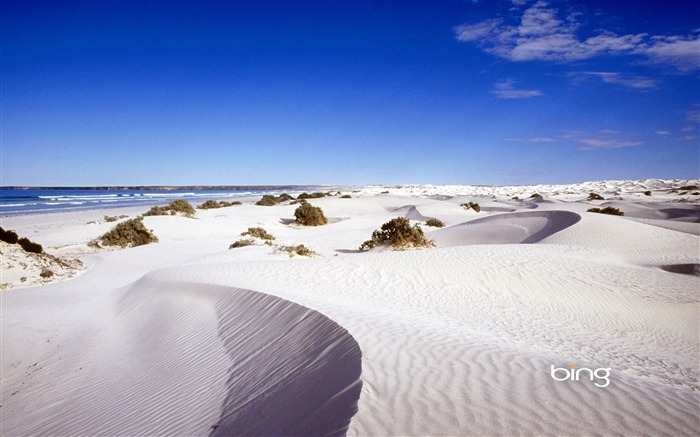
column 542, row 35
column 663, row 132
column 505, row 89
column 598, row 143
column 637, row 82
column 534, row 140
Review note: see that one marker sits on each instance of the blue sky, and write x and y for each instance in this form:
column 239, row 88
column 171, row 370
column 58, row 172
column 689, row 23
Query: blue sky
column 306, row 92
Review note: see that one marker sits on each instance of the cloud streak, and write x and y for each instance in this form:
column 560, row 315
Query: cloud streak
column 506, row 90
column 542, row 35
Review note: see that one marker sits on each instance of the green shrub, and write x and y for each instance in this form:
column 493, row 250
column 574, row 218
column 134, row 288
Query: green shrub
column 267, row 200
column 210, row 204
column 472, row 205
column 173, row 208
column 399, row 234
column 258, row 233
column 647, row 193
column 536, row 196
column 8, row 236
column 284, row 197
column 607, row 210
column 299, row 249
column 594, row 196
column 129, row 233
column 312, row 195
column 309, row 215
column 243, row 242
column 346, row 196
column 435, row 223
column 30, row 246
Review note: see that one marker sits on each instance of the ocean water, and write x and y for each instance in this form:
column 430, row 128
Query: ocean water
column 22, row 201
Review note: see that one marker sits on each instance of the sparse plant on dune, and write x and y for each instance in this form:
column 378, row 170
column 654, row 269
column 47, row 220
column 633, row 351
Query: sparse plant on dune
column 647, row 193
column 9, row 236
column 607, row 210
column 346, row 196
column 267, row 200
column 243, row 242
column 111, row 218
column 179, row 206
column 471, row 205
column 258, row 233
column 435, row 223
column 316, row 195
column 298, row 201
column 213, row 204
column 398, row 234
column 30, row 246
column 594, row 196
column 127, row 234
column 284, row 197
column 309, row 215
column 689, row 188
column 298, row 249
column 536, row 196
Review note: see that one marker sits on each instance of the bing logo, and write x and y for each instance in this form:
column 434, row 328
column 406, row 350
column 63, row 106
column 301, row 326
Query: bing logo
column 574, row 374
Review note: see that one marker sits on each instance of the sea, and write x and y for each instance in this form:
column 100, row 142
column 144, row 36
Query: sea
column 15, row 201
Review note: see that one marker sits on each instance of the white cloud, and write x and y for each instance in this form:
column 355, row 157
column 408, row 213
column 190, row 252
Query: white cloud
column 533, row 140
column 541, row 35
column 600, row 143
column 506, row 90
column 663, row 132
column 637, row 82
column 693, row 116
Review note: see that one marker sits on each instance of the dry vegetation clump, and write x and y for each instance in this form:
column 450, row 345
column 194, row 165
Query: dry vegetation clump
column 258, row 233
column 243, row 242
column 267, row 200
column 346, row 196
column 316, row 195
column 111, row 218
column 647, row 193
column 471, row 205
column 11, row 237
column 309, row 215
column 129, row 233
column 607, row 210
column 435, row 223
column 398, row 234
column 213, row 204
column 536, row 196
column 179, row 206
column 594, row 196
column 284, row 197
column 298, row 201
column 689, row 188
column 299, row 249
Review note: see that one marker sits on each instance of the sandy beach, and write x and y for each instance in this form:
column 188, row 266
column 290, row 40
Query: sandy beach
column 475, row 336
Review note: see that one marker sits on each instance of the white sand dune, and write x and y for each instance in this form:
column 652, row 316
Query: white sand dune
column 170, row 339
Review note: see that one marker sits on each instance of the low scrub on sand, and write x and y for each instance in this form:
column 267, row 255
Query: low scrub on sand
column 213, row 204
column 346, row 196
column 267, row 200
column 689, row 188
column 594, row 196
column 129, row 233
column 11, row 237
column 309, row 215
column 284, row 197
column 398, row 233
column 536, row 196
column 179, row 206
column 298, row 249
column 607, row 210
column 435, row 223
column 647, row 193
column 471, row 205
column 258, row 233
column 316, row 195
column 243, row 242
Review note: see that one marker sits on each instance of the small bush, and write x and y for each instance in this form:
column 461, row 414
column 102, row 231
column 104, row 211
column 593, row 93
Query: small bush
column 30, row 246
column 384, row 192
column 243, row 242
column 435, row 223
column 46, row 273
column 607, row 210
column 8, row 236
column 210, row 204
column 689, row 188
column 647, row 193
column 316, row 195
column 173, row 208
column 299, row 249
column 309, row 215
column 284, row 197
column 258, row 233
column 472, row 205
column 111, row 218
column 298, row 201
column 267, row 200
column 130, row 233
column 594, row 196
column 346, row 196
column 536, row 196
column 399, row 234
